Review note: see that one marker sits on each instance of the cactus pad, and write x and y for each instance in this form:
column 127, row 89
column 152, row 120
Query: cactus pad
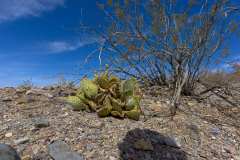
column 89, row 88
column 131, row 102
column 76, row 103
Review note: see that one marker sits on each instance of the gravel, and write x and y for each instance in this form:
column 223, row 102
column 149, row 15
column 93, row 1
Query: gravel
column 188, row 136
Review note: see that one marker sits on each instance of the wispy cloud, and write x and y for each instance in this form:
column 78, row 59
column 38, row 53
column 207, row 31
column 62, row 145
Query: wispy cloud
column 62, row 46
column 14, row 9
column 67, row 46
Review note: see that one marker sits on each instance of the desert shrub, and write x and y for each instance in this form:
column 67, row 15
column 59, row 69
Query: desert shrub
column 63, row 82
column 26, row 84
column 108, row 95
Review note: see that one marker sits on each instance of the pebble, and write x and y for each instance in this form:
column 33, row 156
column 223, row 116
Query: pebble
column 59, row 150
column 21, row 140
column 26, row 157
column 97, row 125
column 48, row 95
column 213, row 138
column 41, row 122
column 8, row 135
column 112, row 158
column 215, row 131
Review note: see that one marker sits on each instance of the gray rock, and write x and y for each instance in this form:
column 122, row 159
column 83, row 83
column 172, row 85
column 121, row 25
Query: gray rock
column 59, row 150
column 58, row 146
column 67, row 156
column 8, row 153
column 215, row 131
column 21, row 140
column 193, row 127
column 41, row 122
column 172, row 141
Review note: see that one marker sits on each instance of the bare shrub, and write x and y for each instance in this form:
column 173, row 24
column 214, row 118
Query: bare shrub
column 164, row 42
column 26, row 84
column 64, row 83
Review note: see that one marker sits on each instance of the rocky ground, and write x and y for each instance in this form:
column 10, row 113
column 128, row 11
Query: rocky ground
column 34, row 119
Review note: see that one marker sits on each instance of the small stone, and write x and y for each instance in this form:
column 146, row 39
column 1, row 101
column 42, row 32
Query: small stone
column 48, row 95
column 26, row 157
column 143, row 144
column 168, row 102
column 213, row 138
column 65, row 114
column 5, row 116
column 58, row 146
column 59, row 150
column 8, row 135
column 8, row 153
column 112, row 158
column 21, row 140
column 41, row 122
column 191, row 104
column 97, row 125
column 215, row 131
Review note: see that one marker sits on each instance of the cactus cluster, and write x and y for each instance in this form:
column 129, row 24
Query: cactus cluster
column 107, row 95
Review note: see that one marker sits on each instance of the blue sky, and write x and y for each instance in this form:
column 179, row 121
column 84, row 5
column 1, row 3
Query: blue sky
column 38, row 43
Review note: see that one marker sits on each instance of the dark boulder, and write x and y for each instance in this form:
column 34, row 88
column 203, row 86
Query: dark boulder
column 8, row 153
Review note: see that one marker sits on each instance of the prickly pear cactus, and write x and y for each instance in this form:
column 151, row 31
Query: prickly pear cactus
column 132, row 102
column 76, row 103
column 89, row 88
column 128, row 87
column 107, row 95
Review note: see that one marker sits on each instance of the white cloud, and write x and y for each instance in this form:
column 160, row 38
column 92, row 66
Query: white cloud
column 65, row 46
column 14, row 9
column 61, row 46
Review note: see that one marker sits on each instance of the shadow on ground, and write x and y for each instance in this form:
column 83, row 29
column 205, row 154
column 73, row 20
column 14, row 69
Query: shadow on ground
column 144, row 144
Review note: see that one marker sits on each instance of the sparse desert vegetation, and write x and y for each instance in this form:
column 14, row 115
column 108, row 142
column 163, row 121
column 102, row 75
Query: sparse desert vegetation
column 157, row 94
